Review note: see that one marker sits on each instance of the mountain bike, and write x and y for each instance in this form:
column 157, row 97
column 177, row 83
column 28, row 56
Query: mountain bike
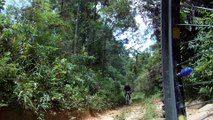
column 127, row 97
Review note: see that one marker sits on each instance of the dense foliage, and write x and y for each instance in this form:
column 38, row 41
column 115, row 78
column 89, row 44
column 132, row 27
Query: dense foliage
column 199, row 48
column 148, row 63
column 62, row 54
column 197, row 43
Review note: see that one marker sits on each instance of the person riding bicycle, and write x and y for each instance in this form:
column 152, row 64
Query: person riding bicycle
column 127, row 90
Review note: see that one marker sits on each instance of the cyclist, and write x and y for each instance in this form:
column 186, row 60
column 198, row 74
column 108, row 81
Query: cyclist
column 127, row 90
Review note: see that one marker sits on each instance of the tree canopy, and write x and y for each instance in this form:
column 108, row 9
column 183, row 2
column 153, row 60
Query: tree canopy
column 63, row 54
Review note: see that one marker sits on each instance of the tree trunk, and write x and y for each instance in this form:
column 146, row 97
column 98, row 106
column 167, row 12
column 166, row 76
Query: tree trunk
column 93, row 32
column 76, row 30
column 62, row 8
column 103, row 61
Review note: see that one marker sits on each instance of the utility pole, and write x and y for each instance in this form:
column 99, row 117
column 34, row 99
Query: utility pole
column 170, row 39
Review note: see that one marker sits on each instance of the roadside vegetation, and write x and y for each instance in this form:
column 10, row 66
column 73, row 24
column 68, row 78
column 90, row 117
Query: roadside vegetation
column 199, row 48
column 65, row 55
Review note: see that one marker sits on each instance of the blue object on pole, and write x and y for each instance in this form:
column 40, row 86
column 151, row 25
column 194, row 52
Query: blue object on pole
column 185, row 71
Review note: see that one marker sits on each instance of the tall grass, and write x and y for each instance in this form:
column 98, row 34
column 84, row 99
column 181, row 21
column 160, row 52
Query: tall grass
column 150, row 107
column 147, row 100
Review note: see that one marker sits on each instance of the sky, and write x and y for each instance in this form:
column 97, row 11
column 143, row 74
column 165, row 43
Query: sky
column 136, row 40
column 143, row 43
column 17, row 2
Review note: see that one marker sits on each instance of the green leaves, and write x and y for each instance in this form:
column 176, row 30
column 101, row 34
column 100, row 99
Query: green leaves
column 148, row 67
column 39, row 69
column 2, row 2
column 202, row 47
column 7, row 69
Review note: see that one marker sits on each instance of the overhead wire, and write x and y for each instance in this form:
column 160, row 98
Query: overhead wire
column 196, row 7
column 204, row 102
column 197, row 39
column 196, row 25
column 200, row 83
column 196, row 56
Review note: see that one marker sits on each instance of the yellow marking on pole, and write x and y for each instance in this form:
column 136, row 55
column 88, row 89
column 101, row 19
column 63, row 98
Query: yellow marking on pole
column 181, row 117
column 176, row 33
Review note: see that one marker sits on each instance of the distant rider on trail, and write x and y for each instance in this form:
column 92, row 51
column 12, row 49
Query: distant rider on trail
column 128, row 91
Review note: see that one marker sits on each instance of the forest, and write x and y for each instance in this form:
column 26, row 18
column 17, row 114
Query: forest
column 66, row 55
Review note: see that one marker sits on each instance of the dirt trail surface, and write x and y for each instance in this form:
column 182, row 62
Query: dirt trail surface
column 132, row 112
column 137, row 112
column 127, row 112
column 200, row 112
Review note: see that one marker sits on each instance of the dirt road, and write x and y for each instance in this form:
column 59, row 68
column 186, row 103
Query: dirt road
column 200, row 113
column 137, row 112
column 128, row 112
column 132, row 112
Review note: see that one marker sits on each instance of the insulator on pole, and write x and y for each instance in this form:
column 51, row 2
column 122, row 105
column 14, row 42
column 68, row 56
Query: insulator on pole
column 185, row 71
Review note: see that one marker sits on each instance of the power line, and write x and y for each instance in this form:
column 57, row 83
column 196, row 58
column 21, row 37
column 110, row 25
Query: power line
column 200, row 83
column 197, row 7
column 186, row 61
column 196, row 25
column 208, row 101
column 196, row 56
column 197, row 39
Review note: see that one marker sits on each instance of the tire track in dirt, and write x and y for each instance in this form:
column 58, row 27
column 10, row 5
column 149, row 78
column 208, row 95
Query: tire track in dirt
column 131, row 112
